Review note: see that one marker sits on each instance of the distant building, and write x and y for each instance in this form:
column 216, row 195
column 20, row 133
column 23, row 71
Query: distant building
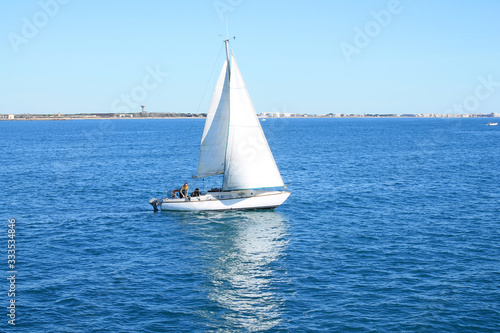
column 10, row 116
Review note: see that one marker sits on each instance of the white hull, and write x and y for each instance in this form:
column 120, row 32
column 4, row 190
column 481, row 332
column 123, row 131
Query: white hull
column 245, row 199
column 234, row 145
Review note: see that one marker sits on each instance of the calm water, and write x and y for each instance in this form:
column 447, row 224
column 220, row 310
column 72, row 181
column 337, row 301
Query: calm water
column 393, row 225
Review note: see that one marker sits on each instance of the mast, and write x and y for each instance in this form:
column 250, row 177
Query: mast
column 229, row 121
column 227, row 56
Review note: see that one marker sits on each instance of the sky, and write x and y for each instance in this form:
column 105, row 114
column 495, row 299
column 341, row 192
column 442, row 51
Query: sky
column 315, row 57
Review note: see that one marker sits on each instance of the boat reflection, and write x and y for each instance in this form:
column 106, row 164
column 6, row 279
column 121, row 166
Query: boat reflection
column 244, row 270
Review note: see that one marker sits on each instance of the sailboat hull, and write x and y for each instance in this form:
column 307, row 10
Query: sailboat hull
column 233, row 144
column 227, row 200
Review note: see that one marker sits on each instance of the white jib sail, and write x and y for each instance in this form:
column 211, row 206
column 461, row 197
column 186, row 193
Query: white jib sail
column 214, row 139
column 249, row 161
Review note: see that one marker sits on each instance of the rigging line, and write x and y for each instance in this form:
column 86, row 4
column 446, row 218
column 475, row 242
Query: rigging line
column 209, row 79
column 190, row 128
column 203, row 97
column 192, row 124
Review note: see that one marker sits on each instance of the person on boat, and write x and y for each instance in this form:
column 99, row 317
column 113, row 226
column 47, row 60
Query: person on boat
column 183, row 192
column 196, row 193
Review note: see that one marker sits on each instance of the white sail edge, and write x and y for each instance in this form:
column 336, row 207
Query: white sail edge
column 214, row 139
column 249, row 160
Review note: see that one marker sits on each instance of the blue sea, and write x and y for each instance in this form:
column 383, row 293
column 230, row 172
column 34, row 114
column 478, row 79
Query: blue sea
column 393, row 225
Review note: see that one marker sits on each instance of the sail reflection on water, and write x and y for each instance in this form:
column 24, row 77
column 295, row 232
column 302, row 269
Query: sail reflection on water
column 244, row 276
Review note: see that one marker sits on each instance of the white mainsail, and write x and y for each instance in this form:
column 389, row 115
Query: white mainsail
column 233, row 142
column 214, row 140
column 249, row 161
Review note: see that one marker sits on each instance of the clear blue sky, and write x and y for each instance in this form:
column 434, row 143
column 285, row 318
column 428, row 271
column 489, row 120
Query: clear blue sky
column 84, row 56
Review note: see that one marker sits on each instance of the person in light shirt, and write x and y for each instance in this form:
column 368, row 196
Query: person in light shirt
column 183, row 192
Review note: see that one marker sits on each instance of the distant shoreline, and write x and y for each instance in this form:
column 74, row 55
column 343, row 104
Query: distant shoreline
column 90, row 118
column 63, row 117
column 180, row 118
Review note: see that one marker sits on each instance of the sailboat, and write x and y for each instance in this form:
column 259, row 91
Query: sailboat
column 233, row 144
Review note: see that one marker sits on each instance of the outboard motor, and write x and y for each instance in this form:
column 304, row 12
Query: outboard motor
column 154, row 202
